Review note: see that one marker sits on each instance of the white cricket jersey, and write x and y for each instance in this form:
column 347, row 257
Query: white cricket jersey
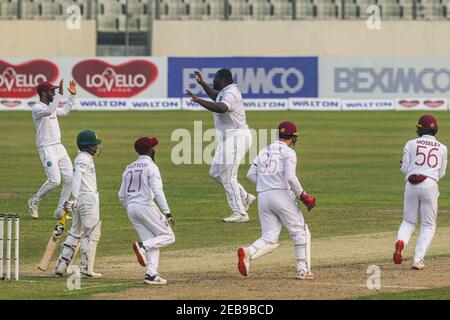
column 234, row 118
column 424, row 156
column 274, row 168
column 141, row 183
column 45, row 118
column 84, row 178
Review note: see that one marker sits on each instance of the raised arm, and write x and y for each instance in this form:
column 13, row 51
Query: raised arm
column 65, row 110
column 41, row 111
column 218, row 107
column 211, row 92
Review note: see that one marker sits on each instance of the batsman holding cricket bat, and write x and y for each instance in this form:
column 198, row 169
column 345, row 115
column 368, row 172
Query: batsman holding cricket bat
column 53, row 243
column 86, row 214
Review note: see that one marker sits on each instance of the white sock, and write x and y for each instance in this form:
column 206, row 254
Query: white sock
column 405, row 231
column 152, row 261
column 423, row 241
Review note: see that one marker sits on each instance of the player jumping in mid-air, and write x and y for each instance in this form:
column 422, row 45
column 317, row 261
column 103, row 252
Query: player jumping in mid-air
column 86, row 222
column 424, row 163
column 273, row 172
column 141, row 183
column 233, row 136
column 53, row 155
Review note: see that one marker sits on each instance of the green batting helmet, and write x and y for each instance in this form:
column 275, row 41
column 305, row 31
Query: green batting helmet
column 87, row 138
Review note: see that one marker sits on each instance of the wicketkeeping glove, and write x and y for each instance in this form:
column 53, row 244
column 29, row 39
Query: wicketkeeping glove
column 308, row 200
column 171, row 219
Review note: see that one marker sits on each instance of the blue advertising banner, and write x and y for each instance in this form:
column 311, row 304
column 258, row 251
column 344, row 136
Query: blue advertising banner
column 257, row 77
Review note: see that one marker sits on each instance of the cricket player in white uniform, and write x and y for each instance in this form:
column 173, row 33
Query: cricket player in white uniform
column 234, row 139
column 424, row 163
column 53, row 155
column 86, row 222
column 141, row 183
column 273, row 172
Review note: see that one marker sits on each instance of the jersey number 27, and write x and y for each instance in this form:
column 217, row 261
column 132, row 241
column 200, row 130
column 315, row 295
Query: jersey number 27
column 132, row 183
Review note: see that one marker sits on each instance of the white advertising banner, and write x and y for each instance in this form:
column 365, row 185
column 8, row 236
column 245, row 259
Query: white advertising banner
column 266, row 104
column 348, row 105
column 314, row 104
column 431, row 104
column 383, row 77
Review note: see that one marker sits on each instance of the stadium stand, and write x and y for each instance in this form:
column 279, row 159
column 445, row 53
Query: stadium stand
column 113, row 10
column 117, row 17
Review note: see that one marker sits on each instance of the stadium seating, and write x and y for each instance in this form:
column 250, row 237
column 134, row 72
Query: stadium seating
column 133, row 23
column 30, row 9
column 197, row 9
column 391, row 11
column 239, row 9
column 261, row 9
column 350, row 9
column 9, row 9
column 435, row 12
column 106, row 23
column 173, row 9
column 327, row 10
column 282, row 9
column 305, row 10
column 82, row 4
column 50, row 10
column 112, row 8
column 235, row 9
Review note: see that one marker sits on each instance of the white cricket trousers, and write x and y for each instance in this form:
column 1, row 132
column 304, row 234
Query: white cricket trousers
column 58, row 167
column 278, row 208
column 224, row 168
column 85, row 227
column 87, row 216
column 421, row 197
column 153, row 230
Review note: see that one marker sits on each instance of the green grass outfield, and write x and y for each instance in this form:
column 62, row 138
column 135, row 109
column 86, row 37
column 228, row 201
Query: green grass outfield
column 348, row 160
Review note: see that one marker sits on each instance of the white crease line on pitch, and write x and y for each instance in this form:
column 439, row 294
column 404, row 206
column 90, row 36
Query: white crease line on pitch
column 364, row 286
column 101, row 286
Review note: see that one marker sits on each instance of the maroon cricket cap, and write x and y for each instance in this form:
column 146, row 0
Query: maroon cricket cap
column 45, row 85
column 427, row 122
column 142, row 145
column 287, row 128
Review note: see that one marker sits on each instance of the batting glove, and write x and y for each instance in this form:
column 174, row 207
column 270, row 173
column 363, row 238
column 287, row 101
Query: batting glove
column 308, row 200
column 71, row 206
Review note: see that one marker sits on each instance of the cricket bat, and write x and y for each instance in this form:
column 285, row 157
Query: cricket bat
column 53, row 243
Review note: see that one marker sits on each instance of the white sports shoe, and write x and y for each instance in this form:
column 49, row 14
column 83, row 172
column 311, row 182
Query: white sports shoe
column 92, row 275
column 304, row 275
column 33, row 208
column 249, row 201
column 156, row 279
column 418, row 265
column 237, row 217
column 243, row 262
